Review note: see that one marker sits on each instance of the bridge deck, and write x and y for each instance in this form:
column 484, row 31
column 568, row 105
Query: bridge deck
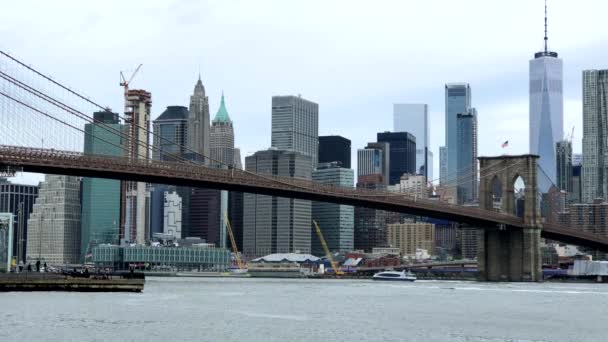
column 77, row 164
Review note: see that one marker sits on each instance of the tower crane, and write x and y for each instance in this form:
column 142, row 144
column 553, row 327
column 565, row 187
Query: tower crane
column 125, row 83
column 241, row 265
column 337, row 271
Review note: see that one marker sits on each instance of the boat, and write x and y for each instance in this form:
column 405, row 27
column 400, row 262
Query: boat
column 394, row 276
column 237, row 270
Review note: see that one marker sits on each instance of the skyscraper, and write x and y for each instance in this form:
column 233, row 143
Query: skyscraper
column 402, row 154
column 222, row 155
column 198, row 121
column 101, row 197
column 18, row 199
column 414, row 118
column 564, row 165
column 170, row 134
column 374, row 159
column 457, row 101
column 334, row 148
column 134, row 220
column 467, row 157
column 595, row 135
column 170, row 142
column 577, row 182
column 370, row 224
column 54, row 225
column 546, row 109
column 295, row 125
column 221, row 139
column 335, row 220
column 277, row 224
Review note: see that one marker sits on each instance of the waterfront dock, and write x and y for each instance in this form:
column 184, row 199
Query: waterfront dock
column 34, row 281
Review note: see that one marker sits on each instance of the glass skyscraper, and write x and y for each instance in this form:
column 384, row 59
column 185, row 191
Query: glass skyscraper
column 171, row 129
column 334, row 148
column 414, row 118
column 101, row 197
column 402, row 154
column 546, row 111
column 335, row 220
column 457, row 101
column 467, row 188
column 13, row 199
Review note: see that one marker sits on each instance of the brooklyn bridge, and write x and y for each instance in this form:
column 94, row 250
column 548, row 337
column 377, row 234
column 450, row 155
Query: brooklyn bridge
column 37, row 110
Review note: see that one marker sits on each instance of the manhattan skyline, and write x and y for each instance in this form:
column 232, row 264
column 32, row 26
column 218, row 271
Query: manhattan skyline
column 355, row 72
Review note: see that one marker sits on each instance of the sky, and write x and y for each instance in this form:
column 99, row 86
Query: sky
column 354, row 58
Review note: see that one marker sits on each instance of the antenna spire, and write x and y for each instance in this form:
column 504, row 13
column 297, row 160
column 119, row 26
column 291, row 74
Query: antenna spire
column 546, row 38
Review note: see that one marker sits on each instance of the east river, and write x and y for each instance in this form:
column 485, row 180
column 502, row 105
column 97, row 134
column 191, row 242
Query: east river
column 228, row 309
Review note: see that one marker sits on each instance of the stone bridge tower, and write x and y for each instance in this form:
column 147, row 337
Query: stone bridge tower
column 507, row 253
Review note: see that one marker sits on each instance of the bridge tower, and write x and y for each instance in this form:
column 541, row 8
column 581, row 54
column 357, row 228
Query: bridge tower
column 507, row 253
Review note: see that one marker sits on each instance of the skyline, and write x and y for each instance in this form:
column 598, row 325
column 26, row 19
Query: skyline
column 355, row 98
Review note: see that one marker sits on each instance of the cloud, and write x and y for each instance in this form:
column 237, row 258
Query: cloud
column 355, row 58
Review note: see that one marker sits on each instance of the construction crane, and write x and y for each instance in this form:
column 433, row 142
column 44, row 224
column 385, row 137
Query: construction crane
column 337, row 271
column 123, row 81
column 241, row 265
column 572, row 134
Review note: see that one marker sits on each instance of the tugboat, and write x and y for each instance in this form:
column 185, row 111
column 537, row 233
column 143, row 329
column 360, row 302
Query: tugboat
column 394, row 276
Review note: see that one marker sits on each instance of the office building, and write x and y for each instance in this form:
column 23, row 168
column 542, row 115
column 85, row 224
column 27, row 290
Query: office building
column 370, row 224
column 135, row 203
column 170, row 134
column 457, row 101
column 205, row 210
column 563, row 150
column 18, row 199
column 235, row 212
column 335, row 220
column 221, row 140
column 577, row 184
column 374, row 159
column 334, row 148
column 170, row 142
column 590, row 218
column 414, row 118
column 577, row 159
column 277, row 224
column 467, row 189
column 172, row 215
column 595, row 135
column 445, row 237
column 238, row 164
column 295, row 126
column 409, row 236
column 402, row 154
column 468, row 241
column 54, row 224
column 198, row 122
column 443, row 165
column 101, row 197
column 546, row 110
column 415, row 185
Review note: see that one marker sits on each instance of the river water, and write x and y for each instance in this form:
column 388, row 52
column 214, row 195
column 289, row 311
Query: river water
column 229, row 309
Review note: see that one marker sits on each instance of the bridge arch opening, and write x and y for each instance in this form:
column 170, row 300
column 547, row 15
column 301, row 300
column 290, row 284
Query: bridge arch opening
column 519, row 195
column 496, row 189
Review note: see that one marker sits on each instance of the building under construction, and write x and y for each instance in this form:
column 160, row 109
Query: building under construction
column 135, row 203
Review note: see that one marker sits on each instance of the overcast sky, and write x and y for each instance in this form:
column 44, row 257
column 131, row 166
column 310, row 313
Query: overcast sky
column 354, row 58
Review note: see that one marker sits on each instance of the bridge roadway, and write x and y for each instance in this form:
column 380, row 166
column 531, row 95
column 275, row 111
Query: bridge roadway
column 188, row 174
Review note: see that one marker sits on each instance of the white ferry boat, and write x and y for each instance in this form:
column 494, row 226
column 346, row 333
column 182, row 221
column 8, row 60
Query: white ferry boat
column 395, row 276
